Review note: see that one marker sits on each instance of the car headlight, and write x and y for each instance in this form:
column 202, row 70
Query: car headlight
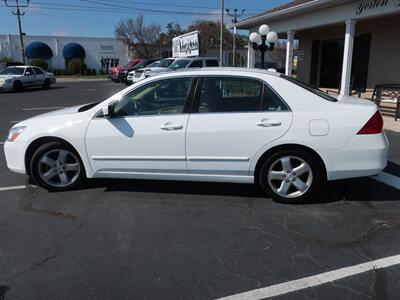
column 14, row 133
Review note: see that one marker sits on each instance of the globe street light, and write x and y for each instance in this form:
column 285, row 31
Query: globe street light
column 263, row 41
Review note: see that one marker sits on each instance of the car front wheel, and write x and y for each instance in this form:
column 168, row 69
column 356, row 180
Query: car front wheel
column 57, row 167
column 291, row 176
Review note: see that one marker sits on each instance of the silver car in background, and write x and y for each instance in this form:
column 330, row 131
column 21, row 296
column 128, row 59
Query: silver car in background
column 18, row 78
column 158, row 66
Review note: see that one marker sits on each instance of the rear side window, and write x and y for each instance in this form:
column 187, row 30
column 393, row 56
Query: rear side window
column 230, row 95
column 212, row 63
column 38, row 71
column 317, row 92
column 272, row 102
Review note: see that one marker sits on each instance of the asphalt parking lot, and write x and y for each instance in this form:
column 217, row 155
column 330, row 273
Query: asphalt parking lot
column 133, row 239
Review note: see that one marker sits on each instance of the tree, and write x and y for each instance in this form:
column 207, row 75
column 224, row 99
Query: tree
column 209, row 35
column 140, row 38
column 173, row 30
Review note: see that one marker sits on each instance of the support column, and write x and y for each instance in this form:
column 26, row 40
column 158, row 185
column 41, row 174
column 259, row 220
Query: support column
column 251, row 56
column 289, row 53
column 347, row 58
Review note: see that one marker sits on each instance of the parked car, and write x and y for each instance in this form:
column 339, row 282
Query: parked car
column 219, row 124
column 271, row 65
column 123, row 75
column 187, row 63
column 10, row 64
column 158, row 66
column 114, row 71
column 20, row 77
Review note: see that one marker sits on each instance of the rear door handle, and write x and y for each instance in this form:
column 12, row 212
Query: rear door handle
column 269, row 123
column 171, row 126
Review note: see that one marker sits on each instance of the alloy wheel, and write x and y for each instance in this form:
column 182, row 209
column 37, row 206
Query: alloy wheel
column 290, row 176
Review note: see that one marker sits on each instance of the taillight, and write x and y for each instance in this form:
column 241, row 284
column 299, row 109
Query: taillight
column 373, row 126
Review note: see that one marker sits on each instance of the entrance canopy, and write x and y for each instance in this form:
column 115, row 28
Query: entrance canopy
column 326, row 27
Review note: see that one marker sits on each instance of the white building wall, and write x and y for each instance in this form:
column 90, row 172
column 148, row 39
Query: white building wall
column 95, row 48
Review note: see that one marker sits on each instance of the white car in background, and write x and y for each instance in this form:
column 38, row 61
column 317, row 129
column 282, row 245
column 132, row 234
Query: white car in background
column 155, row 67
column 18, row 78
column 217, row 125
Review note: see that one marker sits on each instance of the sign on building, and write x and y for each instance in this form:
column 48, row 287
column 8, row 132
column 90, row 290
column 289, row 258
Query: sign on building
column 186, row 45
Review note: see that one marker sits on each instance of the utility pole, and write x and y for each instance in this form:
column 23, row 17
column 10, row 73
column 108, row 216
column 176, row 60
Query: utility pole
column 221, row 33
column 19, row 14
column 235, row 16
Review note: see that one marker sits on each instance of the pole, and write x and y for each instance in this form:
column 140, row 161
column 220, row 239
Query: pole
column 235, row 16
column 21, row 39
column 21, row 34
column 234, row 46
column 221, row 34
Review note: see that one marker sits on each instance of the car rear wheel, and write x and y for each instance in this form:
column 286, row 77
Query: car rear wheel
column 46, row 84
column 57, row 167
column 17, row 86
column 291, row 176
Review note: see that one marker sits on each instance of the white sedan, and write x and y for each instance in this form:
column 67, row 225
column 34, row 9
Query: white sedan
column 217, row 125
column 19, row 77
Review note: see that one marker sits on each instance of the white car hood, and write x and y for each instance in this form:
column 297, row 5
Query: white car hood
column 64, row 111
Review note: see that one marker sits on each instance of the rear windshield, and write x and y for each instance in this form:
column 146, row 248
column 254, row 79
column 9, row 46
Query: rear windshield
column 309, row 88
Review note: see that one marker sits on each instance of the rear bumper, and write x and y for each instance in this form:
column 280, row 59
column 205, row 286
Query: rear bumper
column 15, row 156
column 364, row 155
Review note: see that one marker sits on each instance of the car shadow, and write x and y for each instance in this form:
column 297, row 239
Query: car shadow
column 360, row 189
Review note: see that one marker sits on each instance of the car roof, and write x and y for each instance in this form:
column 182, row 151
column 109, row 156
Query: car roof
column 229, row 70
column 195, row 58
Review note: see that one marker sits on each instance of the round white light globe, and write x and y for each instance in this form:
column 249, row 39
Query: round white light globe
column 272, row 37
column 255, row 38
column 264, row 29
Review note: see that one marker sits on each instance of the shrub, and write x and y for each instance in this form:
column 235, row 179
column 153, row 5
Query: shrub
column 94, row 72
column 75, row 66
column 64, row 72
column 38, row 62
column 101, row 72
column 88, row 72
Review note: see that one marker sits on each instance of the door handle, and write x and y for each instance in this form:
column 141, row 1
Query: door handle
column 269, row 123
column 171, row 126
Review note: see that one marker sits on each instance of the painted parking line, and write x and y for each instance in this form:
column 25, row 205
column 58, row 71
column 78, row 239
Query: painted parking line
column 42, row 108
column 12, row 188
column 2, row 143
column 14, row 122
column 316, row 280
column 388, row 179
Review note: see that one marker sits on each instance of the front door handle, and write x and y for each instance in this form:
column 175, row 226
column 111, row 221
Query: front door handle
column 269, row 123
column 171, row 126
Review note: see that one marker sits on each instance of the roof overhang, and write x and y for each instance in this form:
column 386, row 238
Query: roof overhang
column 302, row 8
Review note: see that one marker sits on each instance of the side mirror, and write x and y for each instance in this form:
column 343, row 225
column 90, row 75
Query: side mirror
column 108, row 110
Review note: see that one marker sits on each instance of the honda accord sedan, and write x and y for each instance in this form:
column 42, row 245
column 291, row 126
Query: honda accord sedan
column 218, row 125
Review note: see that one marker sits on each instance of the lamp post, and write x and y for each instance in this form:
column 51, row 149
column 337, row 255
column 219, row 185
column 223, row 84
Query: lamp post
column 263, row 41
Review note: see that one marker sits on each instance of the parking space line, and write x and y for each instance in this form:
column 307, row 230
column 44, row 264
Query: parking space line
column 13, row 122
column 316, row 280
column 42, row 108
column 11, row 188
column 2, row 143
column 388, row 179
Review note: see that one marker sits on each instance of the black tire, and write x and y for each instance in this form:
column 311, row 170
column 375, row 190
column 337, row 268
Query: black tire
column 35, row 166
column 317, row 174
column 17, row 86
column 47, row 84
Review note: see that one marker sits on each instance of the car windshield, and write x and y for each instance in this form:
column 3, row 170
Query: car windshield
column 309, row 88
column 179, row 64
column 13, row 71
column 165, row 63
column 155, row 64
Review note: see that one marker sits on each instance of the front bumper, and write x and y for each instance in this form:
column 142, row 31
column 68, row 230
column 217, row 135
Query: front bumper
column 364, row 155
column 6, row 86
column 15, row 156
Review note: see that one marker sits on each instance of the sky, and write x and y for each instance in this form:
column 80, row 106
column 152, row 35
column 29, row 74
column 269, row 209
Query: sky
column 97, row 18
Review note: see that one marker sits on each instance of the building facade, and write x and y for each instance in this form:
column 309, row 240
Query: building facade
column 56, row 50
column 344, row 44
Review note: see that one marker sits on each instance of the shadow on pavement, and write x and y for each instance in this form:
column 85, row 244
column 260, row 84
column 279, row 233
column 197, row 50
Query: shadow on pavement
column 361, row 189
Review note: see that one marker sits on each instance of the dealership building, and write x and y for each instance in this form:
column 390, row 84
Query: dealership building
column 56, row 50
column 342, row 44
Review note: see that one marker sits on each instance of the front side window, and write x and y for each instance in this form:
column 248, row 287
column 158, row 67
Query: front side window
column 196, row 64
column 179, row 64
column 212, row 63
column 157, row 98
column 230, row 95
column 29, row 71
